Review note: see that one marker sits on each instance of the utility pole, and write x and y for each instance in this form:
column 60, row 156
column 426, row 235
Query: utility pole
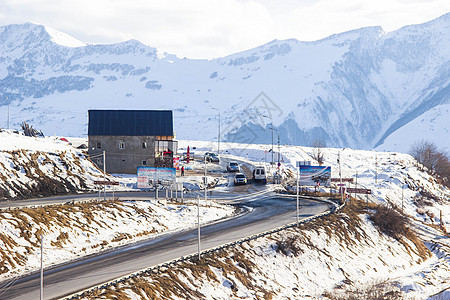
column 218, row 138
column 205, row 182
column 279, row 152
column 8, row 112
column 298, row 179
column 218, row 135
column 42, row 268
column 272, row 143
column 104, row 175
column 376, row 168
column 341, row 189
column 198, row 225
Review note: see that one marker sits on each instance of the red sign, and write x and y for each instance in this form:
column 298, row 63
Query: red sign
column 343, row 180
column 107, row 182
column 359, row 191
column 176, row 163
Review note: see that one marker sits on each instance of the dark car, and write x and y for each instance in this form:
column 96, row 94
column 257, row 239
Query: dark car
column 211, row 157
column 233, row 167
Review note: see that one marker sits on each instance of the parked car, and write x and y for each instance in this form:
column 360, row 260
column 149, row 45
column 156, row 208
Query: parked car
column 259, row 175
column 211, row 157
column 240, row 179
column 233, row 167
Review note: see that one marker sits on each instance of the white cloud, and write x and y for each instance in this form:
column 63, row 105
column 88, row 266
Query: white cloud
column 211, row 28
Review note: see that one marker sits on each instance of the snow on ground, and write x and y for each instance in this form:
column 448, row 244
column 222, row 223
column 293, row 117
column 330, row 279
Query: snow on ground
column 393, row 178
column 329, row 256
column 71, row 231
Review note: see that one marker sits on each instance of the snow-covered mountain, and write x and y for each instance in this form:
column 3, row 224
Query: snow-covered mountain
column 363, row 88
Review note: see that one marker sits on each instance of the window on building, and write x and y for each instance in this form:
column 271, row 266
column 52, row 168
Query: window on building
column 99, row 145
column 144, row 162
column 144, row 145
column 121, row 145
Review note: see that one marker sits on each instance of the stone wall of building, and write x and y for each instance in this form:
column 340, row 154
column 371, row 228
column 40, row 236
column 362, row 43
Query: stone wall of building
column 123, row 153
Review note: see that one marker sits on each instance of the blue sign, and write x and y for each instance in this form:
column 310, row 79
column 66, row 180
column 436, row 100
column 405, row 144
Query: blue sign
column 315, row 175
column 149, row 177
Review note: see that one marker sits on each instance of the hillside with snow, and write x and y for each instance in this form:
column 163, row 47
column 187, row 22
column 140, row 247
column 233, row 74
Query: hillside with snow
column 343, row 253
column 362, row 89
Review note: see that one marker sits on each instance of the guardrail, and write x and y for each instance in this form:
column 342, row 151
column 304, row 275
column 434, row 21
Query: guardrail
column 154, row 269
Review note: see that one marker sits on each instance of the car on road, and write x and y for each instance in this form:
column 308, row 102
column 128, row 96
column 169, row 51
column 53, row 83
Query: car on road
column 233, row 167
column 259, row 175
column 211, row 157
column 240, row 179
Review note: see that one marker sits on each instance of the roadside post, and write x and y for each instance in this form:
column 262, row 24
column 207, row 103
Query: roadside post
column 298, row 183
column 198, row 225
column 104, row 174
column 206, row 186
column 105, row 183
column 42, row 268
column 361, row 191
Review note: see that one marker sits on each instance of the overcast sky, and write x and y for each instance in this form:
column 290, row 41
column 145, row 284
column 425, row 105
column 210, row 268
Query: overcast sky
column 213, row 28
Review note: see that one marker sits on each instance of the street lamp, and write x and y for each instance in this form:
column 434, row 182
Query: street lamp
column 218, row 135
column 340, row 176
column 271, row 127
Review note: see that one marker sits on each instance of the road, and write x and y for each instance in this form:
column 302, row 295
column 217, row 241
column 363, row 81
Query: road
column 266, row 213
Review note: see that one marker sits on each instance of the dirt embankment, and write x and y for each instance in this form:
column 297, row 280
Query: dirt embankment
column 27, row 174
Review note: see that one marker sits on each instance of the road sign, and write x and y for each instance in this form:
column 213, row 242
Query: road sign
column 343, row 180
column 359, row 191
column 107, row 182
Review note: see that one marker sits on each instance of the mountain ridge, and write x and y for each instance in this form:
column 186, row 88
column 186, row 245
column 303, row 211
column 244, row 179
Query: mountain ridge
column 350, row 89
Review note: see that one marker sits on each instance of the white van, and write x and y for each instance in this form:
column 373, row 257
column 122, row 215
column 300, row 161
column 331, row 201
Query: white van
column 259, row 175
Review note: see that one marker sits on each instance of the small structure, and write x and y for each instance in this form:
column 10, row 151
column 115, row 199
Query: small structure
column 131, row 138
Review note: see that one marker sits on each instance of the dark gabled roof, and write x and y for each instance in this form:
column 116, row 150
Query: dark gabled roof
column 130, row 122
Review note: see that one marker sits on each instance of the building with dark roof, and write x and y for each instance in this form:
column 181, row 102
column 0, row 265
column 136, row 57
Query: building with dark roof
column 131, row 138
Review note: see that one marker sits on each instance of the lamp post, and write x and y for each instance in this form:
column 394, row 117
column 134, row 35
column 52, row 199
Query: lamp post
column 278, row 164
column 8, row 112
column 340, row 176
column 218, row 135
column 104, row 175
column 42, row 269
column 298, row 181
column 271, row 127
column 198, row 226
column 205, row 182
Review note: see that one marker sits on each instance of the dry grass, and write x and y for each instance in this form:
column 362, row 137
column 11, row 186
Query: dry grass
column 62, row 179
column 67, row 220
column 168, row 283
column 372, row 291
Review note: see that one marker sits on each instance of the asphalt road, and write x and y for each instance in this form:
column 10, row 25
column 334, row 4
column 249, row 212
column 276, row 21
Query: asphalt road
column 267, row 212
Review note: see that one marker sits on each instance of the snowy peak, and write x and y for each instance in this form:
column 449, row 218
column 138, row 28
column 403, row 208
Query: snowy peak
column 63, row 39
column 357, row 88
column 30, row 34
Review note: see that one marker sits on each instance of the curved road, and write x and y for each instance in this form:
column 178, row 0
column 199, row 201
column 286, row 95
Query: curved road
column 265, row 213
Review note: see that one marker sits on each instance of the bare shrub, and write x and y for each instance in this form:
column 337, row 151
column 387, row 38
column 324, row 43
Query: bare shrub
column 288, row 246
column 390, row 221
column 435, row 161
column 318, row 153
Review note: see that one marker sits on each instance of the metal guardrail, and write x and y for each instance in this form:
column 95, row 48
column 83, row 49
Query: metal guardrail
column 147, row 271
